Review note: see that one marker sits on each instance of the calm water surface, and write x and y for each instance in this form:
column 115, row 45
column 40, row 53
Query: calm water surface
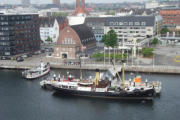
column 25, row 100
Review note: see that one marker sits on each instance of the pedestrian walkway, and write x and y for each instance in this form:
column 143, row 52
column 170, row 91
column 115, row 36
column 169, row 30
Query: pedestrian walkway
column 92, row 66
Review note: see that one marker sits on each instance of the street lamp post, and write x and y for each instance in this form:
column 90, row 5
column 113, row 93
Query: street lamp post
column 104, row 56
column 132, row 57
column 114, row 56
column 127, row 56
column 80, row 67
column 109, row 55
column 153, row 60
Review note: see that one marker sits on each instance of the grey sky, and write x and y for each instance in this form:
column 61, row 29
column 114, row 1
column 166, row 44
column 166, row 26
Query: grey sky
column 65, row 1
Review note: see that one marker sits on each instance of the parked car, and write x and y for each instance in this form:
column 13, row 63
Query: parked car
column 43, row 51
column 19, row 59
column 25, row 56
column 37, row 53
column 5, row 58
column 51, row 50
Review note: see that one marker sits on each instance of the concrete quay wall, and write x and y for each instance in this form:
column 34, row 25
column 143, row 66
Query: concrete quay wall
column 144, row 69
column 155, row 69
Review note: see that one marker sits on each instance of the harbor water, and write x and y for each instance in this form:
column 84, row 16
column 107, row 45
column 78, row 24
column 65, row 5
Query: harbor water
column 21, row 99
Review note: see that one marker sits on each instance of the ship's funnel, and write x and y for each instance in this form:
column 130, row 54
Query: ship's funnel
column 97, row 78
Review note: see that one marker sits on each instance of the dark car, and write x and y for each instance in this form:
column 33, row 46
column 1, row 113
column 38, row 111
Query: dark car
column 29, row 54
column 19, row 59
column 43, row 51
column 5, row 58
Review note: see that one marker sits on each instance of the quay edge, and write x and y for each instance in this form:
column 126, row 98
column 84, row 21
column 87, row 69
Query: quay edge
column 142, row 69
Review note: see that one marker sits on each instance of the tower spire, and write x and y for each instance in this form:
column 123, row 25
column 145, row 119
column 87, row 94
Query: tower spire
column 80, row 8
column 57, row 2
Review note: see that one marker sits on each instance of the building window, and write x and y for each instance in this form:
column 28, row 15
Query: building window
column 120, row 23
column 143, row 27
column 125, row 23
column 7, row 53
column 130, row 23
column 143, row 23
column 111, row 23
column 143, row 32
column 137, row 23
column 68, row 41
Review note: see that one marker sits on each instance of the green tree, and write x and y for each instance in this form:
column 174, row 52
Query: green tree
column 164, row 30
column 147, row 52
column 110, row 39
column 110, row 12
column 56, row 14
column 49, row 40
column 155, row 41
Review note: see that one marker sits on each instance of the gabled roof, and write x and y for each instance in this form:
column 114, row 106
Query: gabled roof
column 85, row 33
column 142, row 11
column 95, row 20
column 49, row 21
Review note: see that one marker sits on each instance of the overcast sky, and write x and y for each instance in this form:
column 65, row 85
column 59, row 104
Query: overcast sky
column 64, row 1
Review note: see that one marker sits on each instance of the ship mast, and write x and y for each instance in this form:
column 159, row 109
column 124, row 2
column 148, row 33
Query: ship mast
column 123, row 61
column 80, row 67
column 123, row 72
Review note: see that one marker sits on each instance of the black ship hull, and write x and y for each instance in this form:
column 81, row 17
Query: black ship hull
column 47, row 86
column 136, row 95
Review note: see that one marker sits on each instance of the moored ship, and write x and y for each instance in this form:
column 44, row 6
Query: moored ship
column 102, row 88
column 37, row 72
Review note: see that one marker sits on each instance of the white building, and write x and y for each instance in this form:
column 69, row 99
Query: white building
column 124, row 13
column 50, row 27
column 151, row 5
column 128, row 27
column 76, row 20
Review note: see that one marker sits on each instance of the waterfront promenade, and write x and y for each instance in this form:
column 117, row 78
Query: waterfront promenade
column 91, row 66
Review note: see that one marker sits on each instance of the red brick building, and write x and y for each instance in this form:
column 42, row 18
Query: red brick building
column 57, row 2
column 73, row 40
column 80, row 8
column 171, row 17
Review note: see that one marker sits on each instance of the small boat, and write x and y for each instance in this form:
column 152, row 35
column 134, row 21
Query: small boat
column 37, row 72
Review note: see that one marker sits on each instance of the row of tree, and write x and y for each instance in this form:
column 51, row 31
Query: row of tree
column 110, row 40
column 101, row 56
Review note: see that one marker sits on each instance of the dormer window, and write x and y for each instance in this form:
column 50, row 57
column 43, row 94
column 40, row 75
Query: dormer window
column 137, row 23
column 143, row 23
